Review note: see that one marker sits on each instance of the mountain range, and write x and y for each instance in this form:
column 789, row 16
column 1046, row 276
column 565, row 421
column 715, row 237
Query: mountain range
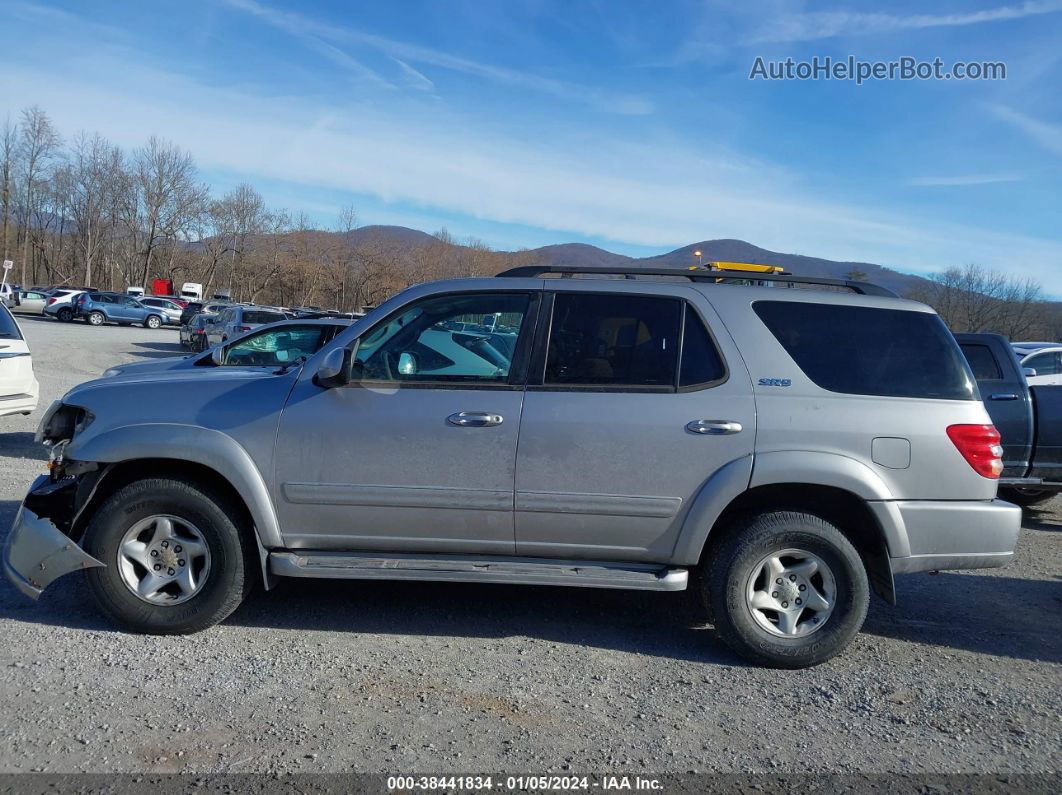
column 581, row 254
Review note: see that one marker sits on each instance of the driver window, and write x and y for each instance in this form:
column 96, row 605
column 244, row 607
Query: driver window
column 453, row 338
column 275, row 347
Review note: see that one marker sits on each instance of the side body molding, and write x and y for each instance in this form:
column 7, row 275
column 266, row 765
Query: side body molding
column 211, row 448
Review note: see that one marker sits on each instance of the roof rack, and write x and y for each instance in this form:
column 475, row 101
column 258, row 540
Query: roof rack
column 695, row 275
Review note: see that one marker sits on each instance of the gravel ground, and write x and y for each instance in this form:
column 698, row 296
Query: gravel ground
column 962, row 676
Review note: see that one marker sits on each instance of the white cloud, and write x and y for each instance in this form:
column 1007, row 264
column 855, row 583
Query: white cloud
column 415, row 78
column 648, row 192
column 1046, row 134
column 814, row 25
column 310, row 30
column 963, row 180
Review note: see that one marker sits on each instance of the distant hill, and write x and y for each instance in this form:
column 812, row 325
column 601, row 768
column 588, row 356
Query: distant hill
column 729, row 251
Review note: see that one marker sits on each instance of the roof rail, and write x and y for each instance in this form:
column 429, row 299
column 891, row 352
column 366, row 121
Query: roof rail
column 695, row 275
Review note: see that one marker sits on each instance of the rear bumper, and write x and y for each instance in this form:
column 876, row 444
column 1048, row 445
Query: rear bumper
column 37, row 553
column 957, row 535
column 19, row 404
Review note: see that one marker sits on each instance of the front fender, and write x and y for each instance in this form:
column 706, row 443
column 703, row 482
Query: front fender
column 204, row 446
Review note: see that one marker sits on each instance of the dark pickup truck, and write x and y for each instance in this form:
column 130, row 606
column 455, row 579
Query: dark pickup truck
column 1028, row 418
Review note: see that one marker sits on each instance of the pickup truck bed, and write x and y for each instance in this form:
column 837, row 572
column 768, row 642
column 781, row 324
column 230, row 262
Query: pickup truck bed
column 1028, row 418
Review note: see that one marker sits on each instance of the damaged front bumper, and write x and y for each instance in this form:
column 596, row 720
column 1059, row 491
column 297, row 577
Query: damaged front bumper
column 37, row 551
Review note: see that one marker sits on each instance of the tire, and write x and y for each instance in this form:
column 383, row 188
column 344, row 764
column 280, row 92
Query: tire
column 96, row 318
column 224, row 582
column 733, row 578
column 152, row 321
column 64, row 315
column 1027, row 498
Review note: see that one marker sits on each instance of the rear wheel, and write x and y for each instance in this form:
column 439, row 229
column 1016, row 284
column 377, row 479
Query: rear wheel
column 786, row 589
column 1027, row 497
column 65, row 315
column 153, row 321
column 175, row 561
column 96, row 318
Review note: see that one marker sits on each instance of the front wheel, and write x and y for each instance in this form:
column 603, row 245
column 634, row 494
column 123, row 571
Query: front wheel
column 1027, row 498
column 786, row 589
column 96, row 318
column 153, row 321
column 175, row 561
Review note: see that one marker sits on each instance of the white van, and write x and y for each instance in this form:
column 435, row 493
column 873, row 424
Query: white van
column 192, row 291
column 136, row 292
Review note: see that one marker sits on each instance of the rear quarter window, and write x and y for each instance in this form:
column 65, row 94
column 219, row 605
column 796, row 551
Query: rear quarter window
column 862, row 350
column 262, row 317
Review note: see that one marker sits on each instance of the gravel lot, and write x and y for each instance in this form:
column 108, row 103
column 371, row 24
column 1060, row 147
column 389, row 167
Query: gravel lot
column 962, row 676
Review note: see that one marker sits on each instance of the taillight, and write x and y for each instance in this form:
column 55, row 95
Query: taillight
column 243, row 328
column 52, row 300
column 979, row 445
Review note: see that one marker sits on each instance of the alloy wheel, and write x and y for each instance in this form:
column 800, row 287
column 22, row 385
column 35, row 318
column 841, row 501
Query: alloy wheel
column 164, row 560
column 791, row 593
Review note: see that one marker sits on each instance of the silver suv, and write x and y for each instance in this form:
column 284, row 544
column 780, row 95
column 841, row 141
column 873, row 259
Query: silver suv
column 785, row 450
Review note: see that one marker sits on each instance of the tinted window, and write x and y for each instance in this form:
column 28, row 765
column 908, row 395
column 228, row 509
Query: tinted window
column 1043, row 364
column 262, row 317
column 8, row 328
column 982, row 362
column 613, row 340
column 700, row 359
column 866, row 351
column 447, row 338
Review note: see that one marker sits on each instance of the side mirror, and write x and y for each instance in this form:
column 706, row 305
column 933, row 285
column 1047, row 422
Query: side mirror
column 407, row 364
column 217, row 356
column 1028, row 371
column 335, row 369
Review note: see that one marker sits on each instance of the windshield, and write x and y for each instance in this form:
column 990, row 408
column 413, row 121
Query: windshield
column 274, row 347
column 8, row 327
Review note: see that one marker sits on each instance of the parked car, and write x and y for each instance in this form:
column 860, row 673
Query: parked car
column 59, row 303
column 235, row 319
column 9, row 294
column 176, row 299
column 789, row 449
column 99, row 308
column 18, row 385
column 1029, row 419
column 172, row 309
column 277, row 345
column 193, row 333
column 1023, row 349
column 30, row 302
column 210, row 308
column 1047, row 364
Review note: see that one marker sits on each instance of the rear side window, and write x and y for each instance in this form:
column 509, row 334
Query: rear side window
column 613, row 340
column 868, row 351
column 262, row 317
column 982, row 362
column 701, row 363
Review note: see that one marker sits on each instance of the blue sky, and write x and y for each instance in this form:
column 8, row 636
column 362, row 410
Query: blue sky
column 629, row 124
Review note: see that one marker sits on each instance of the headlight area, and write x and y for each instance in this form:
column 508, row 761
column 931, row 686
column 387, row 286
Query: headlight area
column 57, row 427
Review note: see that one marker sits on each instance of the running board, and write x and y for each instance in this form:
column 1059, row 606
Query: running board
column 454, row 568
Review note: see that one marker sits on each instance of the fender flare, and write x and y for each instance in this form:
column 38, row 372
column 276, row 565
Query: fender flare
column 791, row 467
column 210, row 448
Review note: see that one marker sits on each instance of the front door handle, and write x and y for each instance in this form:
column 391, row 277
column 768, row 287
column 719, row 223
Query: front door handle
column 714, row 427
column 1003, row 396
column 474, row 419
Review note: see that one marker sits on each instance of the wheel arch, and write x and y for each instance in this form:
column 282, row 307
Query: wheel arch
column 841, row 490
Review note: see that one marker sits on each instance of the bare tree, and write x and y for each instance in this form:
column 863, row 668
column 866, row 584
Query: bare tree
column 168, row 199
column 38, row 143
column 8, row 154
column 974, row 298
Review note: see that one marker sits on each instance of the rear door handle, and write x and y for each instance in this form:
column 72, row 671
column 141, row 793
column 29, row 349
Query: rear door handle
column 714, row 427
column 474, row 419
column 1003, row 396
